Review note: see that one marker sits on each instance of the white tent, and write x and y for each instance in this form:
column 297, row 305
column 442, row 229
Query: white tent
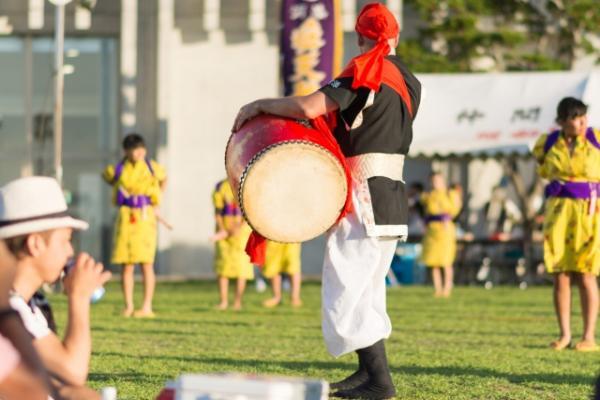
column 495, row 114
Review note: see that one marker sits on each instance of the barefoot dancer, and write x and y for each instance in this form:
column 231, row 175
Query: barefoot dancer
column 231, row 261
column 570, row 159
column 137, row 185
column 439, row 243
column 374, row 102
column 283, row 258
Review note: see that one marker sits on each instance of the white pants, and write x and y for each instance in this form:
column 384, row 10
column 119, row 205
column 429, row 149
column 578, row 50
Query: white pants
column 353, row 286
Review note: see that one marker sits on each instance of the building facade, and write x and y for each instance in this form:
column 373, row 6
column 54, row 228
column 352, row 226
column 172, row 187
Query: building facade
column 177, row 71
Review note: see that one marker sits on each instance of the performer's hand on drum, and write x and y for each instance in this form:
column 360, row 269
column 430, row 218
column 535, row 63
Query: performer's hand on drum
column 246, row 113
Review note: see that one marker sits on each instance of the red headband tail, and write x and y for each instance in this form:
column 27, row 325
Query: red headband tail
column 375, row 22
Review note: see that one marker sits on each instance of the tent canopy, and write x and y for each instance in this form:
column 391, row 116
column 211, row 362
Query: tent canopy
column 490, row 115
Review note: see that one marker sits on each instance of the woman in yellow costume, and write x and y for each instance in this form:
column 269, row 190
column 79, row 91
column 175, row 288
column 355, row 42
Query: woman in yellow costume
column 137, row 186
column 231, row 260
column 283, row 258
column 570, row 159
column 441, row 206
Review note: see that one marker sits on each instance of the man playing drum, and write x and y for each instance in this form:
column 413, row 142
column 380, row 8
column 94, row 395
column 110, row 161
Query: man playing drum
column 374, row 102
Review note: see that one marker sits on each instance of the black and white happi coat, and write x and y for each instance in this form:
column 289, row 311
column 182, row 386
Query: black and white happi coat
column 374, row 130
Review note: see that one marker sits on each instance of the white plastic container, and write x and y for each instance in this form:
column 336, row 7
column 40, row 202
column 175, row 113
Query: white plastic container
column 109, row 393
column 248, row 387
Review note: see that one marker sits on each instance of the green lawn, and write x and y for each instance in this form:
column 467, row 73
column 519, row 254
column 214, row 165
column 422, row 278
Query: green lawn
column 477, row 345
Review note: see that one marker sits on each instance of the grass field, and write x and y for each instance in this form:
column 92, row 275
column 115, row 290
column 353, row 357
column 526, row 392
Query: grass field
column 477, row 345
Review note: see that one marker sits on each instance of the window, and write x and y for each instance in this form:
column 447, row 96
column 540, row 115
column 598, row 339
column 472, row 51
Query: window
column 90, row 127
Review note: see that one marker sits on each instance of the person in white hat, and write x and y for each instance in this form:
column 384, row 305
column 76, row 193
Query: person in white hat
column 36, row 227
column 19, row 377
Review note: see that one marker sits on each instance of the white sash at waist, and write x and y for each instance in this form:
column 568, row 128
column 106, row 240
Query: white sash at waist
column 369, row 165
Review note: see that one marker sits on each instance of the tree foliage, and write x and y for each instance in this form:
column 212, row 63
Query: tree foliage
column 506, row 35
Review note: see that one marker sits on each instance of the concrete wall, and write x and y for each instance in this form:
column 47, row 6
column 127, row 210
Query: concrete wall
column 212, row 72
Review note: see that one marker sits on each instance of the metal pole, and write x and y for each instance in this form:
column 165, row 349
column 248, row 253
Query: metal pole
column 29, row 169
column 59, row 39
column 401, row 13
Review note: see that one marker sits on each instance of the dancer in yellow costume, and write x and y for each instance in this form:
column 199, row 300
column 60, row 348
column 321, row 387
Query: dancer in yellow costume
column 439, row 243
column 283, row 258
column 570, row 159
column 231, row 260
column 137, row 187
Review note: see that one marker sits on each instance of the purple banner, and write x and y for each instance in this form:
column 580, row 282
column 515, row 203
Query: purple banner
column 311, row 44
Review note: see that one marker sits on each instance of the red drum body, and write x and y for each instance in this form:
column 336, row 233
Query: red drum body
column 289, row 183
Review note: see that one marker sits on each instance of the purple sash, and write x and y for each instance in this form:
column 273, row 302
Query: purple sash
column 571, row 190
column 437, row 218
column 134, row 201
column 230, row 209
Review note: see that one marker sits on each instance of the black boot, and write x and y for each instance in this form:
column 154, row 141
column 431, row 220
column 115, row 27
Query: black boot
column 379, row 385
column 359, row 377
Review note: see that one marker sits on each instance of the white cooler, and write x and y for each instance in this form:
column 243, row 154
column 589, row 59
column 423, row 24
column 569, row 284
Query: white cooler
column 248, row 387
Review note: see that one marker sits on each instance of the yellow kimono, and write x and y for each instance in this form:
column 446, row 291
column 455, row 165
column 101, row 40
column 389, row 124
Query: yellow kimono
column 571, row 226
column 231, row 260
column 281, row 258
column 135, row 227
column 439, row 241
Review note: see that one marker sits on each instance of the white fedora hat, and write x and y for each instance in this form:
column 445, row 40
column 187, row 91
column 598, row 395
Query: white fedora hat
column 34, row 204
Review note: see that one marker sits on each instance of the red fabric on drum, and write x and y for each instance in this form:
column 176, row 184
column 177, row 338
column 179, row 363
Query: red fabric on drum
column 279, row 130
column 256, row 248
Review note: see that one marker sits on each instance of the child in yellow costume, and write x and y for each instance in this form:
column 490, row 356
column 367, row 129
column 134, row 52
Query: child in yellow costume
column 137, row 187
column 570, row 159
column 231, row 260
column 441, row 206
column 283, row 258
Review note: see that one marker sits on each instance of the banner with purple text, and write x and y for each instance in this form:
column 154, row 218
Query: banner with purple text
column 311, row 44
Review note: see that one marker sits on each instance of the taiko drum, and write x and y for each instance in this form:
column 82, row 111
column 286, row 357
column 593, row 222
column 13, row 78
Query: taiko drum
column 289, row 182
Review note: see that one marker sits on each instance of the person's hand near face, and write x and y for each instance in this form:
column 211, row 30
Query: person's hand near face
column 85, row 277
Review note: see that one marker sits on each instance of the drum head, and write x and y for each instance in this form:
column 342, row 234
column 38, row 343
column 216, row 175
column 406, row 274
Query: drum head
column 294, row 191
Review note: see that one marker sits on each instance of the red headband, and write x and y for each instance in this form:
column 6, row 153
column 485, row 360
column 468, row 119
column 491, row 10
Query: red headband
column 374, row 22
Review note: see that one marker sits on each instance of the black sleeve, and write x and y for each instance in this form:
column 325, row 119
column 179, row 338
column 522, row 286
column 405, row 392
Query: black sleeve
column 414, row 90
column 413, row 85
column 340, row 90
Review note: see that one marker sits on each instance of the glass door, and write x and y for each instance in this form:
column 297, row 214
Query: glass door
column 14, row 151
column 90, row 137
